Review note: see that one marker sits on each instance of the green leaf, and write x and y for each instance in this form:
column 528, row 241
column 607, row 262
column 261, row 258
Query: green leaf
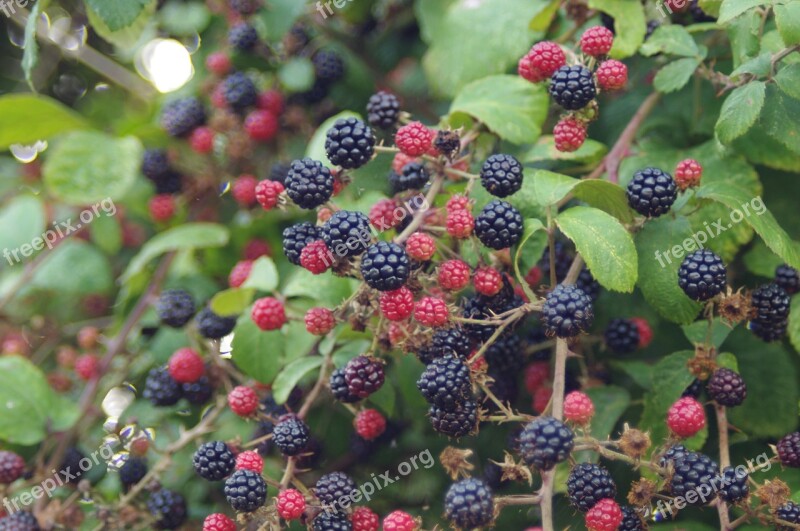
column 87, row 167
column 324, row 289
column 788, row 80
column 75, row 267
column 21, row 220
column 711, row 7
column 670, row 39
column 727, row 360
column 787, row 18
column 610, row 402
column 278, row 16
column 296, row 75
column 549, row 188
column 545, row 149
column 232, row 301
column 510, row 106
column 544, row 18
column 118, row 14
column 531, row 226
column 696, row 332
column 431, row 16
column 30, row 57
column 607, row 196
column 107, row 234
column 758, row 66
column 629, row 22
column 182, row 237
column 29, row 403
column 670, row 378
column 263, row 276
column 793, row 328
column 291, row 375
column 120, row 22
column 385, row 399
column 639, row 371
column 780, row 118
column 28, row 118
column 316, row 146
column 744, row 37
column 184, row 18
column 760, row 148
column 658, row 275
column 740, row 111
column 257, row 353
column 604, row 244
column 498, row 36
column 731, row 9
column 761, row 261
column 675, row 75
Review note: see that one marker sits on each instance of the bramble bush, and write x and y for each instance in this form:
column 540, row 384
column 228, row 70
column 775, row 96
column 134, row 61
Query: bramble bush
column 400, row 265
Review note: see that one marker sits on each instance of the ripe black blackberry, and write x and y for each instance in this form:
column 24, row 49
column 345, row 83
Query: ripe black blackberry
column 499, row 225
column 694, row 389
column 448, row 143
column 503, row 386
column 278, row 172
column 445, row 382
column 787, row 278
column 71, row 467
column 573, row 87
column 505, row 355
column 671, row 455
column 244, row 7
column 364, row 376
column 175, row 307
column 545, row 442
column 733, row 486
column 469, row 503
column 132, row 472
column 291, row 435
column 168, row 508
column 563, row 260
column 346, row 233
column 702, row 275
column 567, row 312
column 788, row 512
column 694, row 472
column 199, row 392
column 213, row 326
column 789, row 450
column 587, row 484
column 770, row 309
column 180, row 117
column 295, row 239
column 333, row 486
column 349, row 143
column 651, row 192
column 332, row 521
column 243, row 37
column 698, row 14
column 588, row 284
column 339, row 388
column 727, row 388
column 213, row 461
column 501, row 175
column 385, row 266
column 622, row 336
column 383, row 109
column 19, row 521
column 12, row 467
column 309, row 183
column 155, row 164
column 446, row 341
column 170, row 183
column 160, row 388
column 328, row 66
column 239, row 91
column 631, row 521
column 245, row 490
column 413, row 176
column 457, row 422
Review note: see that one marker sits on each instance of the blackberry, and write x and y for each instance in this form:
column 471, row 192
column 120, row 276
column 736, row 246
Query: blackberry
column 770, row 309
column 264, row 428
column 213, row 461
column 788, row 512
column 446, row 341
column 349, row 143
column 155, row 164
column 545, row 442
column 456, row 422
column 504, row 387
column 651, row 192
column 132, row 472
column 291, row 436
column 501, row 175
column 333, row 486
column 239, row 91
column 692, row 472
column 12, row 467
column 328, row 66
column 71, row 465
column 213, row 326
column 587, row 484
column 332, row 521
column 160, row 388
column 19, row 521
column 567, row 312
column 469, row 503
column 572, row 87
column 631, row 521
column 295, row 239
column 698, row 14
column 413, row 176
column 448, row 143
column 339, row 388
column 168, row 508
column 346, row 233
column 175, row 307
column 243, row 37
column 180, row 117
column 622, row 336
column 787, row 278
column 672, row 454
column 789, row 450
column 383, row 109
column 694, row 389
column 309, row 183
column 246, row 491
column 199, row 392
column 607, row 21
column 702, row 275
column 169, row 184
column 505, row 355
column 563, row 261
column 364, row 376
column 499, row 225
column 244, row 7
column 445, row 382
column 385, row 266
column 734, row 485
column 652, row 25
column 727, row 388
column 278, row 172
column 588, row 284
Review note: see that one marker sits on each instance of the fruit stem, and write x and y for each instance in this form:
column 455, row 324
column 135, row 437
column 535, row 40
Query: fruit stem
column 724, row 461
column 419, row 215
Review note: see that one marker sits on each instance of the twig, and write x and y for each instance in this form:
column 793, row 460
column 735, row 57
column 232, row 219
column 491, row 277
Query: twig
column 724, row 461
column 614, row 157
column 320, row 383
column 419, row 215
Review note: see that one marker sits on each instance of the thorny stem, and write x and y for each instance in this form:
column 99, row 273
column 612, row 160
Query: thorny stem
column 615, row 156
column 320, row 383
column 419, row 215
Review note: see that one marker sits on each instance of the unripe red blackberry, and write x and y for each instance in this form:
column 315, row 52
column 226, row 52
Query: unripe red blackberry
column 243, row 401
column 420, row 246
column 612, row 75
column 431, row 311
column 239, row 273
column 290, row 504
column 541, row 62
column 250, row 460
column 364, row 519
column 597, row 41
column 316, row 257
column 569, row 134
column 398, row 304
column 688, row 173
column 319, row 321
column 268, row 313
column 686, row 417
column 268, row 193
column 414, row 139
column 604, row 516
column 369, row 424
column 186, row 365
column 454, row 275
column 460, row 224
column 578, row 407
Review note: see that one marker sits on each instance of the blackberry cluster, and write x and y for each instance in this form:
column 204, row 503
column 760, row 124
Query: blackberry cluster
column 168, row 508
column 346, row 232
column 180, row 117
column 383, row 110
column 19, row 521
column 308, row 183
column 693, row 471
column 727, row 388
column 545, row 442
column 213, row 461
column 243, row 37
column 295, row 239
column 456, row 422
column 622, row 336
column 332, row 487
column 245, row 490
column 239, row 91
column 573, row 87
column 787, row 278
column 501, row 175
column 770, row 309
column 469, row 503
column 175, row 307
column 446, row 341
column 132, row 472
column 213, row 326
column 413, row 176
column 587, row 484
column 291, row 436
column 788, row 512
column 349, row 143
column 702, row 275
column 385, row 266
column 339, row 388
column 567, row 312
column 652, row 192
column 499, row 225
column 734, row 485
